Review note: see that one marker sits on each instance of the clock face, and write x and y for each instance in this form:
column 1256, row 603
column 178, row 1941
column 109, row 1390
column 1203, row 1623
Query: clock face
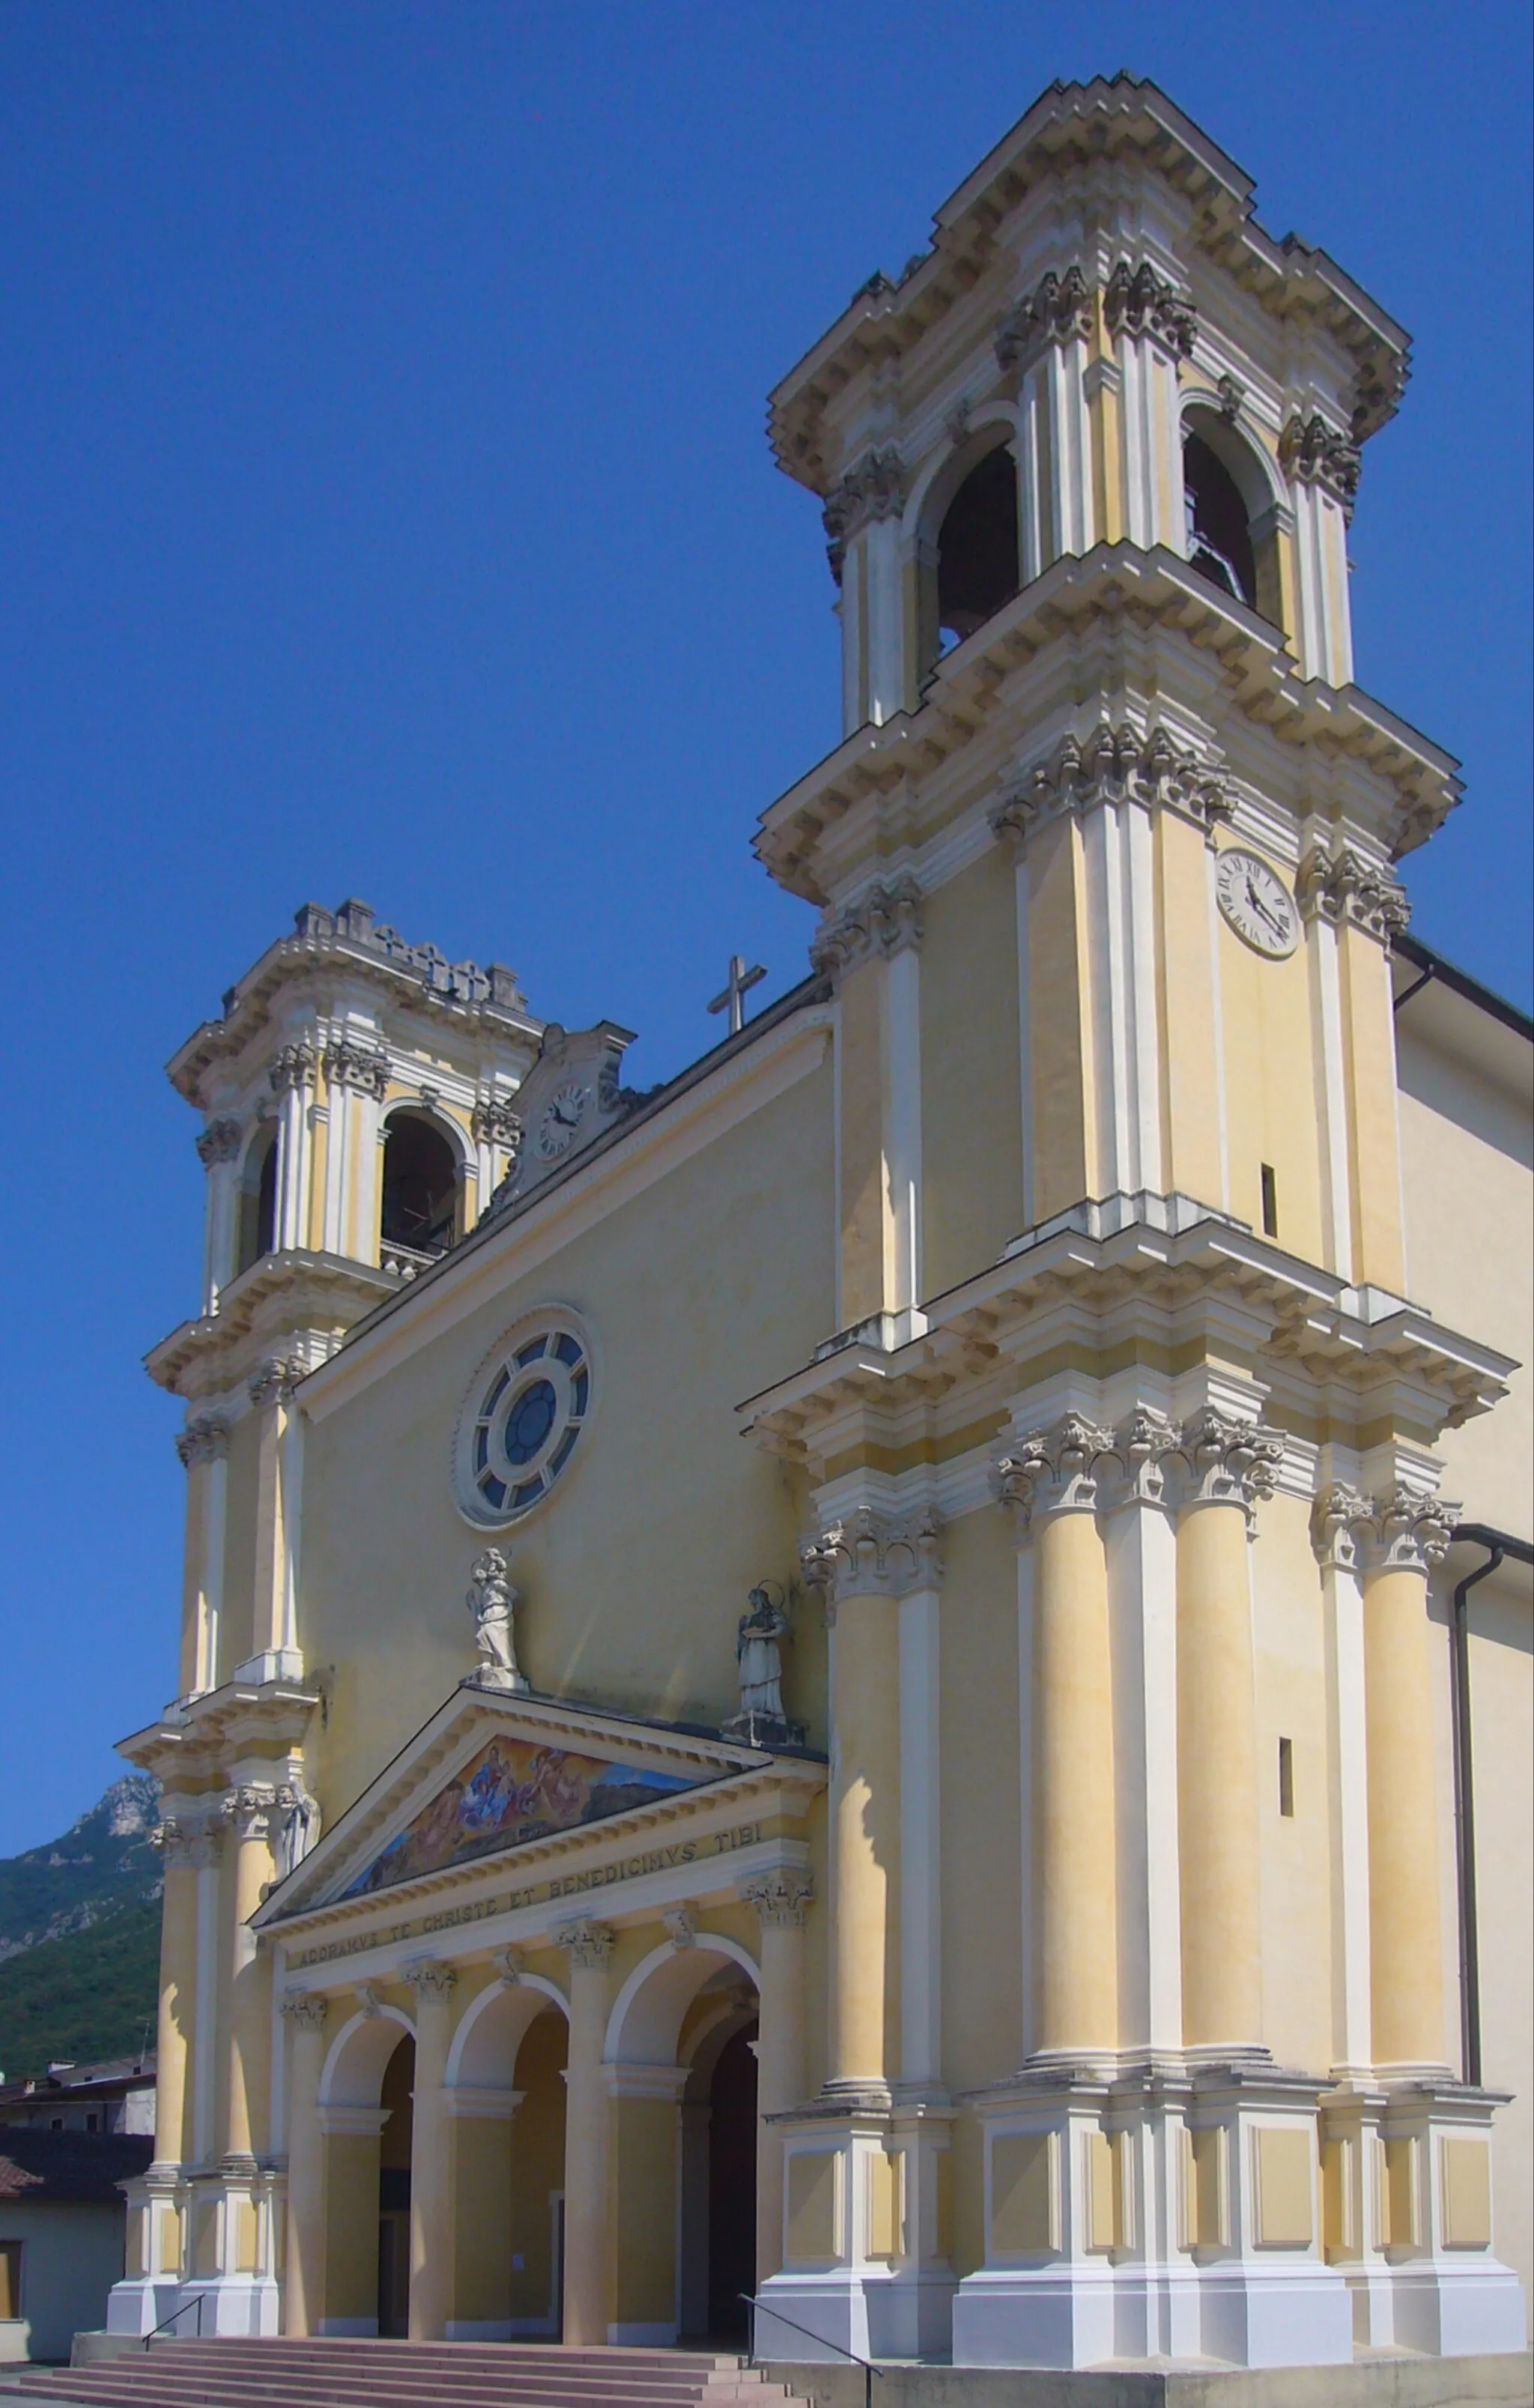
column 559, row 1122
column 1258, row 904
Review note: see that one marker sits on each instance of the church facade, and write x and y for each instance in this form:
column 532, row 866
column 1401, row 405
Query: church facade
column 860, row 1681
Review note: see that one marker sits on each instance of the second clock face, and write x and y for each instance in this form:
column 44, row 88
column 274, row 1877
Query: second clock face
column 559, row 1122
column 1258, row 904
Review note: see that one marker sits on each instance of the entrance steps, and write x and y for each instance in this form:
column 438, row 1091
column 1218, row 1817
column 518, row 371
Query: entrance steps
column 336, row 2374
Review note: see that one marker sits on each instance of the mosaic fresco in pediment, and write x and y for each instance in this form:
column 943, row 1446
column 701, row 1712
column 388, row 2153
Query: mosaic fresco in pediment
column 512, row 1791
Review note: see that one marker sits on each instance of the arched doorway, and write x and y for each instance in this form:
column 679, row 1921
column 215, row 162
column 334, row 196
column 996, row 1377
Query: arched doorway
column 397, row 2099
column 683, row 2084
column 732, row 2185
column 366, row 2109
column 505, row 2094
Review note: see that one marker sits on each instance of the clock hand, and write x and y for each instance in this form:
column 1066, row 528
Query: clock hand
column 1263, row 913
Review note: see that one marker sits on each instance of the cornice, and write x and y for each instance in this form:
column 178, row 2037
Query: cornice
column 1120, row 125
column 867, row 797
column 196, row 1740
column 1165, row 1278
column 416, row 979
column 298, row 1303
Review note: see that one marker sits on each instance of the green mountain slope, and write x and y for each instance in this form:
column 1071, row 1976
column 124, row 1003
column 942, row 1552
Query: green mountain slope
column 88, row 1994
column 103, row 1863
column 79, row 1938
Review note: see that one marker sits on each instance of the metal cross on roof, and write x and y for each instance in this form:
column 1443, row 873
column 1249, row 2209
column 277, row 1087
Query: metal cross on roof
column 734, row 996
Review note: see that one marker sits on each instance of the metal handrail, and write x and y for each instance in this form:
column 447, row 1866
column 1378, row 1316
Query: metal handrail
column 195, row 2302
column 870, row 2370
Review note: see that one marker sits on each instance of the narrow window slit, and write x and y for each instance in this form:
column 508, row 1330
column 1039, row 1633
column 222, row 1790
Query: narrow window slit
column 1287, row 1776
column 1270, row 1202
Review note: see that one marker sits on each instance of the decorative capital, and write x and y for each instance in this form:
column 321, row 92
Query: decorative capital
column 681, row 1927
column 1058, row 310
column 1145, row 1446
column 369, row 1998
column 1338, row 1518
column 1115, row 765
column 1227, row 1461
column 508, row 1968
column 873, row 488
column 186, row 1842
column 1232, row 398
column 1344, row 886
column 590, row 1943
column 250, row 1810
column 493, row 1121
column 219, row 1141
column 1317, row 454
column 293, row 1065
column 868, row 1556
column 883, row 921
column 1055, row 1470
column 203, row 1441
column 275, row 1383
column 355, row 1066
column 781, row 1899
column 1408, row 1531
column 1139, row 301
column 305, row 2011
column 433, row 1983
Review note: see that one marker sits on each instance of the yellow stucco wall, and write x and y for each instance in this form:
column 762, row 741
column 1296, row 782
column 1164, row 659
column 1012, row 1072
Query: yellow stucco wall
column 971, row 1096
column 1289, row 1662
column 701, row 1290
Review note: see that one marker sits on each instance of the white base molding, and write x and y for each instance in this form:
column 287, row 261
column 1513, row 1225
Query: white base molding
column 249, row 2306
column 864, row 2264
column 1152, row 2210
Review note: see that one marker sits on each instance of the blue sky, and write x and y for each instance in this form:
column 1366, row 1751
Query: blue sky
column 384, row 509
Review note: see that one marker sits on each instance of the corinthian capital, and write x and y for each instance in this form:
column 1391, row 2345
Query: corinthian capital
column 275, row 1383
column 1344, row 886
column 187, row 1843
column 305, row 2011
column 1139, row 301
column 781, row 1899
column 434, row 1984
column 867, row 1555
column 1058, row 310
column 883, row 921
column 250, row 1810
column 1227, row 1461
column 875, row 488
column 1408, row 1531
column 590, row 1943
column 1317, row 454
column 1115, row 765
column 495, row 1123
column 293, row 1065
column 1055, row 1470
column 1338, row 1519
column 219, row 1141
column 357, row 1065
column 203, row 1441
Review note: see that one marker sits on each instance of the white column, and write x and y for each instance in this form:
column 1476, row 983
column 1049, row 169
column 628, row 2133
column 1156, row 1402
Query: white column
column 290, row 1472
column 1141, row 1539
column 1326, row 1010
column 431, row 2194
column 219, row 1146
column 902, row 1057
column 1340, row 1516
column 1035, row 528
column 1071, row 444
column 338, row 1156
column 885, row 606
column 921, row 1862
column 587, row 2155
column 293, row 1074
column 211, row 1599
column 304, row 2288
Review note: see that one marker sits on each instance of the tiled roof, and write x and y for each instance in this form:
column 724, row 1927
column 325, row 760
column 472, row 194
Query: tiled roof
column 37, row 2165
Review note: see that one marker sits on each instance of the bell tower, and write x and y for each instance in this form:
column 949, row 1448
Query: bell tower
column 1106, row 865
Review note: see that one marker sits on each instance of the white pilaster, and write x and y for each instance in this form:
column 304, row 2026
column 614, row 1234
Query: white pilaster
column 921, row 1916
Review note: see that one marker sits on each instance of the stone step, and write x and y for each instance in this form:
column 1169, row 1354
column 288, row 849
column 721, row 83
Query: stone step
column 234, row 2372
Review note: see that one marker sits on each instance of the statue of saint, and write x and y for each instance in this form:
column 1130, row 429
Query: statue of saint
column 492, row 1601
column 299, row 1827
column 761, row 1721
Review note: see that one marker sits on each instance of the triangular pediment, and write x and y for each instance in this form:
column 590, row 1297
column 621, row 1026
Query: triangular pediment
column 495, row 1772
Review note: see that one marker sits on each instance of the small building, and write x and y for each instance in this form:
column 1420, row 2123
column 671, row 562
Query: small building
column 63, row 2222
column 115, row 2096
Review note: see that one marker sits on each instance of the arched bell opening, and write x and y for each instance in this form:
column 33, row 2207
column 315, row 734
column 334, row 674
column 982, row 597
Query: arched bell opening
column 976, row 566
column 422, row 1188
column 257, row 1231
column 1230, row 521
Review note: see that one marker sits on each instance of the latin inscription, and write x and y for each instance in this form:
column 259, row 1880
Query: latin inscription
column 546, row 1893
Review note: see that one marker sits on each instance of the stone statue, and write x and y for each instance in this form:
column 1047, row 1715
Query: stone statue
column 492, row 1600
column 761, row 1721
column 298, row 1828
